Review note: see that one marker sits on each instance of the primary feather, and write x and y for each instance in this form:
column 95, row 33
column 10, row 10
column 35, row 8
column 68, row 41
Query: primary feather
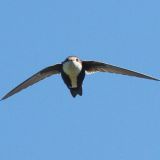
column 94, row 66
column 34, row 79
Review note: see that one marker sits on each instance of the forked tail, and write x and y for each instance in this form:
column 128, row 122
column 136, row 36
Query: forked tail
column 75, row 91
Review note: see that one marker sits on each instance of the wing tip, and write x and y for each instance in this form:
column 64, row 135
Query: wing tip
column 154, row 79
column 6, row 96
column 3, row 98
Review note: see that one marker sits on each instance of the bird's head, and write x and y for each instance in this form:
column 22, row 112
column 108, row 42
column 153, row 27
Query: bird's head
column 73, row 59
column 72, row 62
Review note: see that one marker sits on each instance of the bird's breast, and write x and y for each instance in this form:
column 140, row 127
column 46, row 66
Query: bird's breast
column 72, row 70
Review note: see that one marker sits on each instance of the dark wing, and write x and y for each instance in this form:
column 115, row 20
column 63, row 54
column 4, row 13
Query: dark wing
column 93, row 66
column 56, row 69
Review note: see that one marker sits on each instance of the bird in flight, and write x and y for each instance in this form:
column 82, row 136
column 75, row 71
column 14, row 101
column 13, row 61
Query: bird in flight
column 73, row 71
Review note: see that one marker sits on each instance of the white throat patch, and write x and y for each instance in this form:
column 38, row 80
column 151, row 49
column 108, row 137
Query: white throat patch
column 72, row 69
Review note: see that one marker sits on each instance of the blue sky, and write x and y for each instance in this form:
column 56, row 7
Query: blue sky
column 117, row 118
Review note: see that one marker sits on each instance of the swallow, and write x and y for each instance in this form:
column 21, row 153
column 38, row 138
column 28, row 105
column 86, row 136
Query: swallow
column 73, row 71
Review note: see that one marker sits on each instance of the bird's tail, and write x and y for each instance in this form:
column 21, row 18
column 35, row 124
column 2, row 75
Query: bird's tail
column 75, row 91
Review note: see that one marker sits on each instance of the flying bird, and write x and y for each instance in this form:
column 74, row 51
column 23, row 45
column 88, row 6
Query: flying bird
column 73, row 71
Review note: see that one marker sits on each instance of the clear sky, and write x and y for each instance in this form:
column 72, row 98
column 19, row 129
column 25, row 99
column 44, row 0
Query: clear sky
column 117, row 118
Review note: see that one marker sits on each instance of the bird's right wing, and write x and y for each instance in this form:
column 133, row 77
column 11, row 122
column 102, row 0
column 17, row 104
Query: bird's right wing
column 94, row 66
column 56, row 69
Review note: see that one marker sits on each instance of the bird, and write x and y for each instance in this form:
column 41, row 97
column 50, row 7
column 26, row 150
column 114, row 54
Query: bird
column 73, row 71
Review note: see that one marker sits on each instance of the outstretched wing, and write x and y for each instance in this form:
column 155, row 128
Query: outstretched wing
column 35, row 78
column 93, row 66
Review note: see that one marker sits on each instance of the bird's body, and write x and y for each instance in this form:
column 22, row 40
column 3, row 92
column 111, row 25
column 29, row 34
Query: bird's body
column 73, row 75
column 73, row 71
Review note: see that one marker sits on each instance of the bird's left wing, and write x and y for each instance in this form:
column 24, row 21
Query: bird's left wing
column 93, row 66
column 35, row 78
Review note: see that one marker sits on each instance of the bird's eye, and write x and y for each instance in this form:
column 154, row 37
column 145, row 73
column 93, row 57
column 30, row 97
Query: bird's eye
column 77, row 59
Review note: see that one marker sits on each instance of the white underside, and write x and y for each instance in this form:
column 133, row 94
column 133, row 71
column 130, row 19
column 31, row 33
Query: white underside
column 72, row 69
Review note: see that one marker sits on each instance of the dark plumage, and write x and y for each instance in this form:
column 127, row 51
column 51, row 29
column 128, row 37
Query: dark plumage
column 73, row 72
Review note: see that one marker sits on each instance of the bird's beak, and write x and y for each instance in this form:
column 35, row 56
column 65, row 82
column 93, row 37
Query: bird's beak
column 70, row 60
